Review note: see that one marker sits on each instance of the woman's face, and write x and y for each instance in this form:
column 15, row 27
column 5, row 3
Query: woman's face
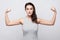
column 29, row 10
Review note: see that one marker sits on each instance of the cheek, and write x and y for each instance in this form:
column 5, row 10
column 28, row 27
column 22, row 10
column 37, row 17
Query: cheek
column 31, row 11
column 27, row 11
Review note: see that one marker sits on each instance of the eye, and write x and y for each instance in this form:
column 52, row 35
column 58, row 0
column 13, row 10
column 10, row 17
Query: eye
column 31, row 8
column 27, row 8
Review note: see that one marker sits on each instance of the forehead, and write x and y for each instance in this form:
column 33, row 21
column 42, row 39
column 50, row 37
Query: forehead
column 29, row 6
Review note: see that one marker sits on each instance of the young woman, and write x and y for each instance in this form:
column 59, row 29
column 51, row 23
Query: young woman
column 30, row 22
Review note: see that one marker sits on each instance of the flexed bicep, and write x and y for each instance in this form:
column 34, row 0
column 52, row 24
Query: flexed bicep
column 9, row 22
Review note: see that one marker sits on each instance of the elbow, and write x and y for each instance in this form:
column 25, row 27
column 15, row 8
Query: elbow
column 8, row 24
column 52, row 24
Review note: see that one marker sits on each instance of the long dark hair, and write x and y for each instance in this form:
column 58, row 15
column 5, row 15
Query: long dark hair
column 33, row 16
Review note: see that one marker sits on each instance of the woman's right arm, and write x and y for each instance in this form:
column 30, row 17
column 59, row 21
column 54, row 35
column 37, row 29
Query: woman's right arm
column 11, row 23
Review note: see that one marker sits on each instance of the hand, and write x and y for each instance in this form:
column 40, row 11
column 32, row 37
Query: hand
column 8, row 10
column 54, row 10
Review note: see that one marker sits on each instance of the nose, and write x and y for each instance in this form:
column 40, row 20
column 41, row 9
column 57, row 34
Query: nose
column 29, row 11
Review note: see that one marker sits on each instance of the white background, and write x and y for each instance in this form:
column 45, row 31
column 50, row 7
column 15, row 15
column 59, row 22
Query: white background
column 43, row 11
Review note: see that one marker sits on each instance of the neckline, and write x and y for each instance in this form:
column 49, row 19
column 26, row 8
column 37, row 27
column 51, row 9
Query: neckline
column 28, row 19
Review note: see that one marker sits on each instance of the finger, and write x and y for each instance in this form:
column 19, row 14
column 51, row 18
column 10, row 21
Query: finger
column 53, row 9
column 9, row 9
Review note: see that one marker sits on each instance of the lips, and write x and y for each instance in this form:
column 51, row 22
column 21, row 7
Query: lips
column 29, row 13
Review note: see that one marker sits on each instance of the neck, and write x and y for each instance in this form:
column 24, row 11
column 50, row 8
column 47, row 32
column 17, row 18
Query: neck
column 29, row 17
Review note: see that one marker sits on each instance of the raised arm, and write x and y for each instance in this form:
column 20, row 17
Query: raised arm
column 11, row 23
column 49, row 22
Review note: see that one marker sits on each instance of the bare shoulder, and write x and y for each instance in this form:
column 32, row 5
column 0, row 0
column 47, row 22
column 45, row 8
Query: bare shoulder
column 38, row 20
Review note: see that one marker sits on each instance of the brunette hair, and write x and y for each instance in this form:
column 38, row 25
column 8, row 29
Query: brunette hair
column 33, row 16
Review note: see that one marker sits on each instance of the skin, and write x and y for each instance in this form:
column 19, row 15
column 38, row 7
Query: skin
column 29, row 10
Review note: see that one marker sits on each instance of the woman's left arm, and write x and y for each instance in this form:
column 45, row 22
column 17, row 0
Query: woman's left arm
column 48, row 22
